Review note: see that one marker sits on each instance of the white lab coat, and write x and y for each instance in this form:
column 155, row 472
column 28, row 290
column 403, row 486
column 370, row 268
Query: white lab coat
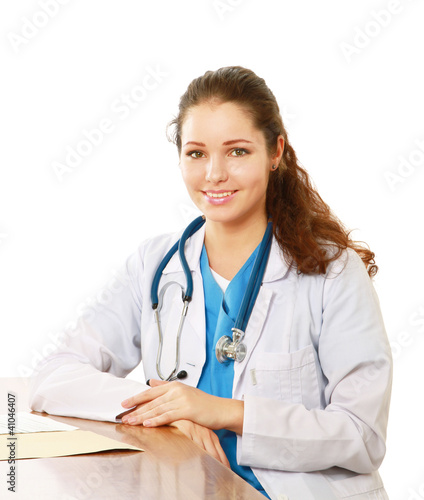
column 316, row 380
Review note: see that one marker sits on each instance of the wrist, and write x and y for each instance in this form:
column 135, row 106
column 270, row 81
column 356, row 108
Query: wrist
column 233, row 415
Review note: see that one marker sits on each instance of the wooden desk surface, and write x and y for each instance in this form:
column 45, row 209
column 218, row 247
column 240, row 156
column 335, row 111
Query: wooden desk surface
column 171, row 467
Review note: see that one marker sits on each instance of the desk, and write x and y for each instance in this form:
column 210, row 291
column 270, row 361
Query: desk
column 171, row 467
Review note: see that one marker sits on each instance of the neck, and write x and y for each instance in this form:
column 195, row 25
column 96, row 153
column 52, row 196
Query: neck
column 233, row 242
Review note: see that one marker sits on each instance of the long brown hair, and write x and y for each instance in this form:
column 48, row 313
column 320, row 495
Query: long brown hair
column 304, row 225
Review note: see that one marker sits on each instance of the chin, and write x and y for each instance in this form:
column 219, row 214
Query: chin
column 221, row 217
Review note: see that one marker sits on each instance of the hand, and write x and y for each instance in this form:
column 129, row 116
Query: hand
column 167, row 402
column 203, row 437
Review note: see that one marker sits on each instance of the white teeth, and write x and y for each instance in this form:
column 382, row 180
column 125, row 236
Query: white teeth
column 219, row 195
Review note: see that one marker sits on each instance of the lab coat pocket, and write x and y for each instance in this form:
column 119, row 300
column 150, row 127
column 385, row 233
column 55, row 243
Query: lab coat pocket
column 289, row 377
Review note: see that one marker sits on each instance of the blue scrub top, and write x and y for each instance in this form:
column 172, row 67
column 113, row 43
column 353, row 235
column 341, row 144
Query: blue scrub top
column 217, row 378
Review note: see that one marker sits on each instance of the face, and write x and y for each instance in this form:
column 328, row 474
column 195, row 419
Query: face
column 224, row 163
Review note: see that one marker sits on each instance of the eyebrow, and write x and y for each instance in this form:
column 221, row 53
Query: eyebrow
column 226, row 143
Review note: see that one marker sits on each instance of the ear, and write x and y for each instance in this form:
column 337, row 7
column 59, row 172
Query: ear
column 280, row 150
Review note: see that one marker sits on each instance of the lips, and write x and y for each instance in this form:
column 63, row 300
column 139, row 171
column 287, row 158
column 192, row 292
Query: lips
column 219, row 197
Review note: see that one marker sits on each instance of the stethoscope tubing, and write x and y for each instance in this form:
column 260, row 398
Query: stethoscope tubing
column 157, row 301
column 248, row 301
column 180, row 244
column 190, row 229
column 255, row 281
column 155, row 283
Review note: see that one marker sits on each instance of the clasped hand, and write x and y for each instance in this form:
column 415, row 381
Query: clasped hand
column 167, row 402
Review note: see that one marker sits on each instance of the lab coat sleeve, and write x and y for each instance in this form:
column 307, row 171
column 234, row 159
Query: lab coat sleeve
column 84, row 377
column 355, row 358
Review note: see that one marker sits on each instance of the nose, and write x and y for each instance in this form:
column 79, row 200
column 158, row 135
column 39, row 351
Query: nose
column 216, row 171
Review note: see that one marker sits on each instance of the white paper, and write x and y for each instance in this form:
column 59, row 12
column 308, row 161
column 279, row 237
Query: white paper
column 25, row 422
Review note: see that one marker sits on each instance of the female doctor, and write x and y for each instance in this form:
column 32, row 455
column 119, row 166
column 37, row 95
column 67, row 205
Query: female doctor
column 302, row 410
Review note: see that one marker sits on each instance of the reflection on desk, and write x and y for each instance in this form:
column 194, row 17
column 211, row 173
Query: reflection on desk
column 172, row 466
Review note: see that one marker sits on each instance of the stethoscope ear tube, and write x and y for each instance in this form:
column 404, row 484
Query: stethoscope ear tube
column 179, row 376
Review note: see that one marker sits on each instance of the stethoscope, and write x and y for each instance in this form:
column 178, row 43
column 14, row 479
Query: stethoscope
column 226, row 347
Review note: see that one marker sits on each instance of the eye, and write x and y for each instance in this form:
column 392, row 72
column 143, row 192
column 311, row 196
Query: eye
column 194, row 154
column 240, row 152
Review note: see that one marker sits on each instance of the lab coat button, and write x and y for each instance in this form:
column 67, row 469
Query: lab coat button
column 282, row 497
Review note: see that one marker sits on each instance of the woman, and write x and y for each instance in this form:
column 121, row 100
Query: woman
column 304, row 413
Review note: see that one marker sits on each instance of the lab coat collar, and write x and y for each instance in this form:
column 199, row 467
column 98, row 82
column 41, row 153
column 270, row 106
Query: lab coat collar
column 277, row 267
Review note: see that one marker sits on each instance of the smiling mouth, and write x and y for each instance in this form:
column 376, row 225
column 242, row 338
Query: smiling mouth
column 219, row 195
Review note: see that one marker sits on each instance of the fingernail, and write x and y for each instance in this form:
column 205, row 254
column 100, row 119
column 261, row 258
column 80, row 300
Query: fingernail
column 147, row 423
column 124, row 403
column 132, row 420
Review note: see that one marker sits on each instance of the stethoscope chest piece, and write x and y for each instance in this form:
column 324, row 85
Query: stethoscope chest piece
column 231, row 349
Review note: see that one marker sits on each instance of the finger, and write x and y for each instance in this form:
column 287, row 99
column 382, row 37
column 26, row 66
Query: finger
column 219, row 450
column 222, row 456
column 215, row 449
column 201, row 436
column 144, row 397
column 151, row 409
column 156, row 383
column 162, row 413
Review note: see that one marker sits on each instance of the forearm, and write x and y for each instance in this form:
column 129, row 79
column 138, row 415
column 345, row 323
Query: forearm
column 289, row 437
column 79, row 390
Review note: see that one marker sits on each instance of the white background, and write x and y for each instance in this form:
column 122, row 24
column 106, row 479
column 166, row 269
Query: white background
column 349, row 82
